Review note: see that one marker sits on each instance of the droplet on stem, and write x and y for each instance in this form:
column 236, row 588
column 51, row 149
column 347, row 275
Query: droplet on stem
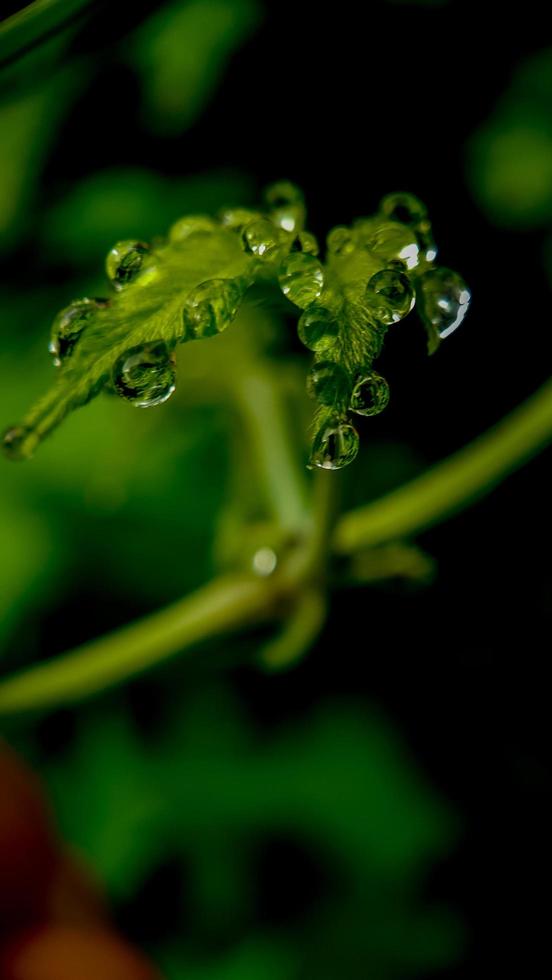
column 262, row 239
column 301, row 279
column 317, row 328
column 390, row 295
column 370, row 394
column 145, row 375
column 335, row 445
column 404, row 207
column 444, row 300
column 286, row 204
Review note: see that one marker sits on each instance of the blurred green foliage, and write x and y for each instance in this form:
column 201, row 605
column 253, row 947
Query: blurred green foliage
column 212, row 791
column 510, row 156
column 181, row 52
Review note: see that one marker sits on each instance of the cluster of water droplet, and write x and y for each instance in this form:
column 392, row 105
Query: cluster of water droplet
column 375, row 272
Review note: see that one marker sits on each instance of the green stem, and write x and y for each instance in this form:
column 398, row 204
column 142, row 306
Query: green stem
column 452, row 484
column 273, row 447
column 228, row 603
column 235, row 602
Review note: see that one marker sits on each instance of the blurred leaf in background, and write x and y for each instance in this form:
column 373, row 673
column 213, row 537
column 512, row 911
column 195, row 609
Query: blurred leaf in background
column 510, row 156
column 182, row 51
column 209, row 789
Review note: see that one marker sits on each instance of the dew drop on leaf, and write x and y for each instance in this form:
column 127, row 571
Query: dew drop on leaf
column 210, row 307
column 69, row 325
column 237, row 218
column 328, row 383
column 262, row 239
column 392, row 241
column 390, row 295
column 444, row 300
column 286, row 204
column 124, row 262
column 335, row 445
column 370, row 394
column 145, row 375
column 317, row 329
column 403, row 207
column 191, row 225
column 301, row 279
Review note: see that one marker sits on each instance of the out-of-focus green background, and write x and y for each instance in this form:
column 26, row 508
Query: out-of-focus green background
column 379, row 811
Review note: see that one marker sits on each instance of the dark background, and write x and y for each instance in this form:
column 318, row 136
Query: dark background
column 351, row 101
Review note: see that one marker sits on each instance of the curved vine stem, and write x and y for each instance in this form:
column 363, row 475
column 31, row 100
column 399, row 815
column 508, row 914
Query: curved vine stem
column 235, row 602
column 227, row 603
column 450, row 485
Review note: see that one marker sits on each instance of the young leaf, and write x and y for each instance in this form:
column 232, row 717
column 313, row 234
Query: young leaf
column 190, row 287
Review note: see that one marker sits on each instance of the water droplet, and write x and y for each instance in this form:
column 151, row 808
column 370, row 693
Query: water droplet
column 392, row 241
column 286, row 205
column 124, row 262
column 18, row 442
column 211, row 306
column 191, row 224
column 262, row 239
column 391, row 295
column 403, row 207
column 370, row 394
column 69, row 325
column 237, row 218
column 301, row 279
column 305, row 242
column 341, row 240
column 328, row 383
column 335, row 445
column 444, row 300
column 317, row 328
column 145, row 375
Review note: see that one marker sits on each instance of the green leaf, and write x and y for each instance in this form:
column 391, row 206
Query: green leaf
column 147, row 312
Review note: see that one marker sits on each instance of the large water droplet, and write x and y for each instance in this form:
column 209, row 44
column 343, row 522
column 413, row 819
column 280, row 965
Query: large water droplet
column 286, row 205
column 301, row 279
column 370, row 394
column 392, row 241
column 403, row 207
column 145, row 375
column 191, row 224
column 69, row 325
column 390, row 295
column 317, row 328
column 335, row 445
column 341, row 240
column 328, row 383
column 445, row 299
column 18, row 442
column 262, row 239
column 124, row 262
column 211, row 306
